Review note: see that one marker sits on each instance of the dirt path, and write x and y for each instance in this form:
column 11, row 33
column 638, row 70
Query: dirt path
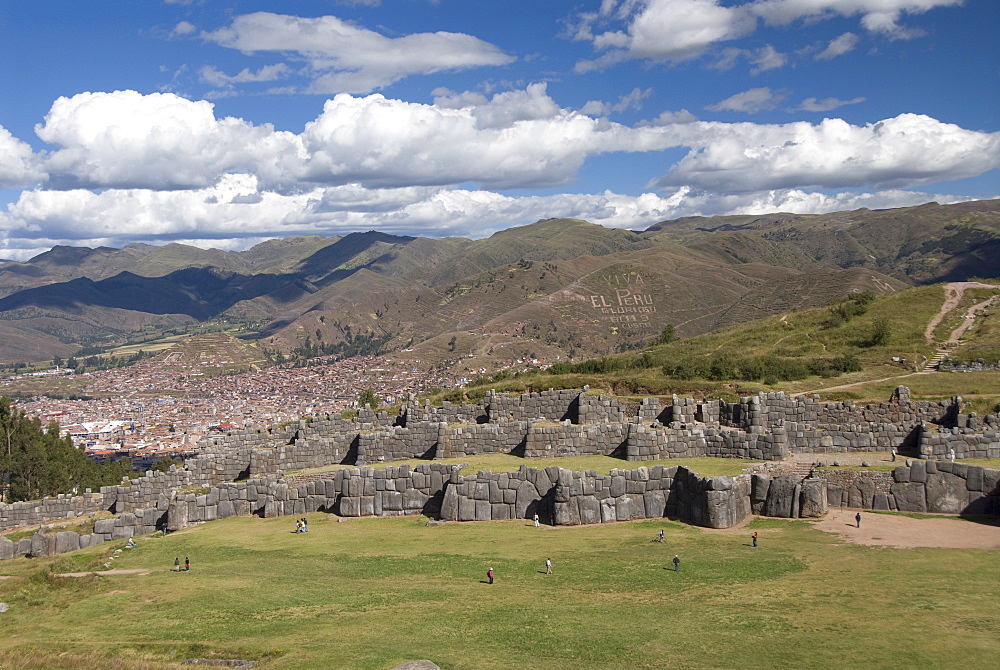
column 894, row 530
column 135, row 571
column 953, row 293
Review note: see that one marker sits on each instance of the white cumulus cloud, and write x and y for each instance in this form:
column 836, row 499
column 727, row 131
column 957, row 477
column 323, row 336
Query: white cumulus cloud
column 344, row 57
column 904, row 151
column 18, row 164
column 517, row 139
column 678, row 30
column 161, row 141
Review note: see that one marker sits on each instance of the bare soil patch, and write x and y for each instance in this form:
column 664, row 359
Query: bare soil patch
column 894, row 530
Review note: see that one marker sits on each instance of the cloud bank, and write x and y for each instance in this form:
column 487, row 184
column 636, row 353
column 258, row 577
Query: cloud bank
column 128, row 167
column 664, row 31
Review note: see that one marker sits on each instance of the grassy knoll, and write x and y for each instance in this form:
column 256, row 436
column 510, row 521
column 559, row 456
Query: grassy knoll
column 708, row 467
column 372, row 593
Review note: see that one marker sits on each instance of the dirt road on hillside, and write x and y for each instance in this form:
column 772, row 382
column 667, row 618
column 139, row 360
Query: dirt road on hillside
column 953, row 297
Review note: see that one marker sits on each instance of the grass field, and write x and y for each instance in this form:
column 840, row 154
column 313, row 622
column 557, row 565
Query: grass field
column 706, row 467
column 373, row 593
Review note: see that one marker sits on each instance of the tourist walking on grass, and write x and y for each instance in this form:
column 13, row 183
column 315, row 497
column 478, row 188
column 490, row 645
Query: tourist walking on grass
column 489, row 575
column 548, row 566
column 857, row 519
column 677, row 563
column 177, row 564
column 187, row 564
column 660, row 538
column 536, row 521
column 755, row 538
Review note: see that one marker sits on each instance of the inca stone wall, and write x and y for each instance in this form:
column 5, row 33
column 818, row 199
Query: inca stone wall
column 243, row 468
column 503, row 437
column 922, row 486
column 655, row 442
column 545, row 439
column 977, row 439
column 833, row 438
column 788, row 496
column 564, row 497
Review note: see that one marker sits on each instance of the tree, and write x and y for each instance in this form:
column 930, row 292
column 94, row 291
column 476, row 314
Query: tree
column 163, row 464
column 35, row 463
column 368, row 398
column 668, row 335
column 881, row 332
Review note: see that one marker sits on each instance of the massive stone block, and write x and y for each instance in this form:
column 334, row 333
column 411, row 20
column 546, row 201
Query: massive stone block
column 42, row 544
column 974, row 479
column 6, row 548
column 567, row 513
column 758, row 492
column 780, row 495
column 813, row 499
column 589, row 510
column 484, row 510
column 66, row 541
column 946, row 493
column 449, row 504
column 861, row 494
column 527, row 495
column 466, row 509
column 910, row 497
column 655, row 503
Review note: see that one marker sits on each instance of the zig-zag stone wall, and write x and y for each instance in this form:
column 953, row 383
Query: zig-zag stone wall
column 241, row 473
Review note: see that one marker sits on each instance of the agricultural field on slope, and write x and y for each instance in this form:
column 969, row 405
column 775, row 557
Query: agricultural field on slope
column 373, row 593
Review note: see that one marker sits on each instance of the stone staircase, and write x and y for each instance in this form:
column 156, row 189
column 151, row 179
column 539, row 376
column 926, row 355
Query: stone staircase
column 937, row 358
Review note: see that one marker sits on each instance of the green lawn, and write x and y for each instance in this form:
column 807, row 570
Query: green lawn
column 373, row 593
column 706, row 467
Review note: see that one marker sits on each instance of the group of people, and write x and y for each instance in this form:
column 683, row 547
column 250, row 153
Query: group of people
column 548, row 570
column 302, row 525
column 187, row 565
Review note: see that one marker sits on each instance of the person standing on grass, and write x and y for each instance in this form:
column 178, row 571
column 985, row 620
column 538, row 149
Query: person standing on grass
column 177, row 564
column 187, row 564
column 857, row 519
column 489, row 575
column 660, row 539
column 536, row 521
column 548, row 566
column 755, row 538
column 677, row 563
column 894, row 454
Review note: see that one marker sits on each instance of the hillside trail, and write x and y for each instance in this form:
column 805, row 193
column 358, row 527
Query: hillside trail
column 953, row 293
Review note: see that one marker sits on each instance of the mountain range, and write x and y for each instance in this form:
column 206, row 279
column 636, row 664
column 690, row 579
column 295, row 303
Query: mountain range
column 557, row 287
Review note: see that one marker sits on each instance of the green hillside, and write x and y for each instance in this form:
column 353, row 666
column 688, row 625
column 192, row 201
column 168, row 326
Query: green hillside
column 874, row 342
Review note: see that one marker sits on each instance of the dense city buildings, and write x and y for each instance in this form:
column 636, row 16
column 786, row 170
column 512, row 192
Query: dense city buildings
column 163, row 408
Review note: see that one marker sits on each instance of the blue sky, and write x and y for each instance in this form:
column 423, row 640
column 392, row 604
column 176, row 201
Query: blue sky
column 224, row 123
